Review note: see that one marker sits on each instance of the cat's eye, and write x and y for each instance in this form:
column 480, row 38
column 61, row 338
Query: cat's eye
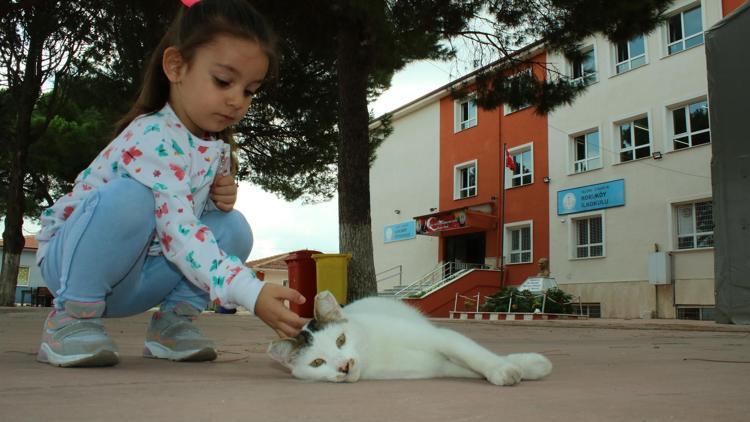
column 317, row 362
column 341, row 340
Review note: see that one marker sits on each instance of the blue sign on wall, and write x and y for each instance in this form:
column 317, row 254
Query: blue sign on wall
column 591, row 197
column 400, row 231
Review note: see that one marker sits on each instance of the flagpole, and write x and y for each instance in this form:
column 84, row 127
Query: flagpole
column 501, row 229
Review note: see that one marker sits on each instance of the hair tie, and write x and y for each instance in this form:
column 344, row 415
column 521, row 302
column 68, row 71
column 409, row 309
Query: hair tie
column 189, row 3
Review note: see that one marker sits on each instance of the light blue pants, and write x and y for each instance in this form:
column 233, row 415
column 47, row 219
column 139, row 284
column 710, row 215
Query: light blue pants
column 100, row 253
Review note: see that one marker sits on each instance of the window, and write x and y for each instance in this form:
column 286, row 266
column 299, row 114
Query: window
column 520, row 245
column 586, row 152
column 589, row 237
column 466, row 180
column 592, row 310
column 690, row 125
column 522, row 74
column 466, row 114
column 523, row 173
column 634, row 140
column 584, row 68
column 630, row 54
column 695, row 225
column 23, row 276
column 698, row 313
column 685, row 30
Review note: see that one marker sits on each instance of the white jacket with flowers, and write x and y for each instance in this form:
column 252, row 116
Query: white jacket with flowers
column 159, row 152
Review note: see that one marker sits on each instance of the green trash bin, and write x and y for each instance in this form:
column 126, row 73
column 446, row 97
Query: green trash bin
column 330, row 269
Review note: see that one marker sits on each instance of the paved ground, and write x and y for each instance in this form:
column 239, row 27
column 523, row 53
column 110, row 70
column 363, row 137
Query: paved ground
column 605, row 370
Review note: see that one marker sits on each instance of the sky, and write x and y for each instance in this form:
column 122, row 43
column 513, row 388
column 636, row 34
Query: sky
column 280, row 226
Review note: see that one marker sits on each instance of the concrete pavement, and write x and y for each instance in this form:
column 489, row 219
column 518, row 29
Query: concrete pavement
column 605, row 370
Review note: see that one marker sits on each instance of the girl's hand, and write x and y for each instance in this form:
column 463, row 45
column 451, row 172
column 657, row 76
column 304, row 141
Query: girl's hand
column 270, row 308
column 224, row 192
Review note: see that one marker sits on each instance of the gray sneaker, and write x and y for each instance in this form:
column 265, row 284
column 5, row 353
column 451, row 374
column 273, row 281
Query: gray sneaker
column 172, row 335
column 75, row 337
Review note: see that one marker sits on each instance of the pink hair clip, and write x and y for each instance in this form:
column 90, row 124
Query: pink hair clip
column 189, row 3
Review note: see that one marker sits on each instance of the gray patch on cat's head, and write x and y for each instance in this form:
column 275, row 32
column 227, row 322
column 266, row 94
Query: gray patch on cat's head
column 313, row 326
column 285, row 351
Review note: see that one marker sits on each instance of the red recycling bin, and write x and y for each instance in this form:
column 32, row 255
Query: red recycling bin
column 303, row 278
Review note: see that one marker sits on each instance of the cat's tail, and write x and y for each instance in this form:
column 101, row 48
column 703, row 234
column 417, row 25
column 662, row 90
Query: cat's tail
column 533, row 365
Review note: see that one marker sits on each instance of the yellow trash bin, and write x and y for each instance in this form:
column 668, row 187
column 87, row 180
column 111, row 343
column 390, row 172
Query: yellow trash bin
column 330, row 269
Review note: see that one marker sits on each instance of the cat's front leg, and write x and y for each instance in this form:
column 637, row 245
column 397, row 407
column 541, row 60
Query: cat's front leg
column 466, row 352
column 504, row 373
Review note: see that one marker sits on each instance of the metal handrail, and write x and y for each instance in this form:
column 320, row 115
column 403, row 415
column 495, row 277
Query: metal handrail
column 400, row 272
column 439, row 276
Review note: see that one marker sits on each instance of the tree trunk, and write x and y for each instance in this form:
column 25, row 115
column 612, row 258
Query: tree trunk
column 27, row 95
column 13, row 240
column 355, row 232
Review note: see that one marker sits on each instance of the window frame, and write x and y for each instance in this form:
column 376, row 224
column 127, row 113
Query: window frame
column 573, row 236
column 683, row 41
column 508, row 241
column 630, row 58
column 583, row 78
column 511, row 175
column 459, row 125
column 457, row 180
column 573, row 151
column 510, row 110
column 685, row 107
column 695, row 234
column 617, row 138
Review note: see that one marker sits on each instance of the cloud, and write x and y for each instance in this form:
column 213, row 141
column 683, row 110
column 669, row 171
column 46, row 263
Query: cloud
column 279, row 226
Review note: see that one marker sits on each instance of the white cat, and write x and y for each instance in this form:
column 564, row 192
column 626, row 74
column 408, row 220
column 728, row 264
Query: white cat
column 379, row 338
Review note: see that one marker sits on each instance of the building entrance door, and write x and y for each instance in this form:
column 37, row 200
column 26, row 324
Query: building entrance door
column 465, row 249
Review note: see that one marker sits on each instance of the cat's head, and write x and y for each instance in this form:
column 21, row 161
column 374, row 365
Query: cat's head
column 323, row 350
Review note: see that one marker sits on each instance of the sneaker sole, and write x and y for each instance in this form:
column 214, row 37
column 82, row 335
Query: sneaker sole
column 103, row 357
column 157, row 351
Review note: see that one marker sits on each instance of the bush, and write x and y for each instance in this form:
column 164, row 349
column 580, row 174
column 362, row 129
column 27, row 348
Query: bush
column 558, row 302
column 525, row 301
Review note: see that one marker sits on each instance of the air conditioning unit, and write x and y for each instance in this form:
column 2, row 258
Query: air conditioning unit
column 659, row 268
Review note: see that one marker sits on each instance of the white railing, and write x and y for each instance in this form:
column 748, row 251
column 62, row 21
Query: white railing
column 441, row 275
column 390, row 273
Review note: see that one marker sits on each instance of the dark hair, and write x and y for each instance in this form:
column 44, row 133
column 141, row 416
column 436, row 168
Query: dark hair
column 191, row 28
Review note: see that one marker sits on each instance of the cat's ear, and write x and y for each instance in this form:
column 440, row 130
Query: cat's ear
column 283, row 351
column 326, row 308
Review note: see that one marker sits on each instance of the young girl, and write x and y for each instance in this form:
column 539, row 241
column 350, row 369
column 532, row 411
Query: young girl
column 138, row 229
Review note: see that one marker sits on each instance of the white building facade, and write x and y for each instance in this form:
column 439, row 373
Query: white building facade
column 630, row 173
column 404, row 183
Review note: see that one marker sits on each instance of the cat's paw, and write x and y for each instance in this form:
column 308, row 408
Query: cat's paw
column 504, row 374
column 533, row 365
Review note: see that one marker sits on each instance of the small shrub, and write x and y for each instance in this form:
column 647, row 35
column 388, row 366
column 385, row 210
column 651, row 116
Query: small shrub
column 526, row 301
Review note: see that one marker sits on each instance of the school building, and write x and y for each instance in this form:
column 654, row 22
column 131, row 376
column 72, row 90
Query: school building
column 614, row 190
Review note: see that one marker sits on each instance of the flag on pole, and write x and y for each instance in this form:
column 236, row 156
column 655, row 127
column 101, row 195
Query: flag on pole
column 509, row 163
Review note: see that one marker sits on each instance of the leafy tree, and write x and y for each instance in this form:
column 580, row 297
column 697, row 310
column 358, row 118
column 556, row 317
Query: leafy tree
column 40, row 42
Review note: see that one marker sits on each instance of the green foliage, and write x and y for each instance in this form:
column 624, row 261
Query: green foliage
column 524, row 301
column 558, row 302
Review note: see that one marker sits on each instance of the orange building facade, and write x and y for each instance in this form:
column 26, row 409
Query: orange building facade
column 483, row 233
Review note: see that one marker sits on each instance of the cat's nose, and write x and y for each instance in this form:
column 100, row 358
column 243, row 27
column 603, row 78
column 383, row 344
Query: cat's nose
column 346, row 366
